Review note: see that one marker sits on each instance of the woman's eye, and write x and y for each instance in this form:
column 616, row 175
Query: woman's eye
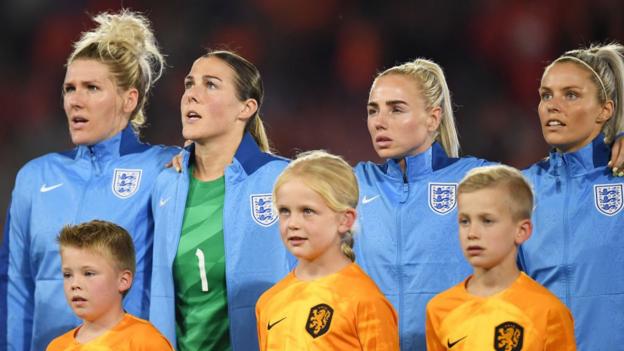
column 571, row 95
column 188, row 84
column 546, row 96
column 66, row 275
column 93, row 87
column 68, row 89
column 308, row 211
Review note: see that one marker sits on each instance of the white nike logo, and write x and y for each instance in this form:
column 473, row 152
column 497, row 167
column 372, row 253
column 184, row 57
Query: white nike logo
column 45, row 189
column 163, row 202
column 366, row 200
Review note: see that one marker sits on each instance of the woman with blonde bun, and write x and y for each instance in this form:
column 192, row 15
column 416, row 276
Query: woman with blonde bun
column 109, row 176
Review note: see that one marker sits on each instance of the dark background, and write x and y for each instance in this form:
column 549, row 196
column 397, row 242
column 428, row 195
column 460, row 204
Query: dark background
column 317, row 58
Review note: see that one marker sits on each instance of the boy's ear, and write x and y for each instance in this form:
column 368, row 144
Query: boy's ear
column 125, row 280
column 347, row 219
column 523, row 231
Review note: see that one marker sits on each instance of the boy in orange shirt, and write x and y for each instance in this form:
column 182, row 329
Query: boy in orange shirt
column 498, row 307
column 327, row 302
column 98, row 263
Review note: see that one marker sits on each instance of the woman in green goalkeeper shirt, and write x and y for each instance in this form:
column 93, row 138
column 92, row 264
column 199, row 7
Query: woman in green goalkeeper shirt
column 217, row 246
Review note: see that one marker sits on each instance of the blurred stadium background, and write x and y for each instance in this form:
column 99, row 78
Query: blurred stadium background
column 317, row 59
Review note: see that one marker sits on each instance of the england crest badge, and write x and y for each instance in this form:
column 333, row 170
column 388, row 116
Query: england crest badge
column 126, row 182
column 608, row 198
column 442, row 197
column 262, row 209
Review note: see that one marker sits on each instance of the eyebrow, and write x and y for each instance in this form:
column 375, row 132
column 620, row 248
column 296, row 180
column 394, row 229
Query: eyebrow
column 542, row 87
column 204, row 77
column 388, row 103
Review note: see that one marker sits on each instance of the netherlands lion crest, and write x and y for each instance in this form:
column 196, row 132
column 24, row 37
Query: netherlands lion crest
column 608, row 198
column 508, row 336
column 262, row 209
column 442, row 197
column 319, row 320
column 126, row 182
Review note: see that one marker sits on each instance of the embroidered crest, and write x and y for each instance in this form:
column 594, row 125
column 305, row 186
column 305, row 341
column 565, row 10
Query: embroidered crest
column 319, row 320
column 442, row 197
column 126, row 182
column 608, row 198
column 262, row 209
column 508, row 336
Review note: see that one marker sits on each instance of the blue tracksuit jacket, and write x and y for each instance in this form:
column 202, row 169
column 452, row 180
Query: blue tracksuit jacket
column 110, row 181
column 407, row 233
column 255, row 257
column 577, row 246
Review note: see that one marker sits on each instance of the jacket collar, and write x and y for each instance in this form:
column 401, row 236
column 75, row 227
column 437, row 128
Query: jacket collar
column 425, row 163
column 593, row 155
column 248, row 156
column 121, row 144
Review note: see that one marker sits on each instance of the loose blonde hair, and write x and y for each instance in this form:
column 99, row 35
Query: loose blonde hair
column 125, row 43
column 432, row 83
column 518, row 189
column 606, row 65
column 104, row 238
column 332, row 178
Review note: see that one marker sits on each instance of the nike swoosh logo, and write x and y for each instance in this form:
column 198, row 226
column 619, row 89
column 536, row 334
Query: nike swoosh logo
column 450, row 344
column 366, row 200
column 163, row 202
column 45, row 189
column 269, row 325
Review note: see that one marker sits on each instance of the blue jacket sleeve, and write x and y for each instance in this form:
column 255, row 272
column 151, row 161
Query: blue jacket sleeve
column 4, row 279
column 19, row 287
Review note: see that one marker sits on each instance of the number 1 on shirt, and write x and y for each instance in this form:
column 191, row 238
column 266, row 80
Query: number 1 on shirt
column 202, row 269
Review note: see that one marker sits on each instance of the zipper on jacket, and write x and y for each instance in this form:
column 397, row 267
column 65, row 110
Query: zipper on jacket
column 561, row 186
column 403, row 199
column 87, row 185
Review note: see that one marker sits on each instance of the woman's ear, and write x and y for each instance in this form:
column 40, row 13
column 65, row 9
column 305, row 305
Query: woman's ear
column 434, row 119
column 606, row 112
column 130, row 100
column 250, row 107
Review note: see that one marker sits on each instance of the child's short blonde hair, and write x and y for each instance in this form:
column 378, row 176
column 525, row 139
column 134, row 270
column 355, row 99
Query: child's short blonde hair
column 103, row 237
column 329, row 176
column 518, row 188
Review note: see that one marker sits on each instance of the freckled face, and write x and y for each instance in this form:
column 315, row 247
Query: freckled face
column 570, row 113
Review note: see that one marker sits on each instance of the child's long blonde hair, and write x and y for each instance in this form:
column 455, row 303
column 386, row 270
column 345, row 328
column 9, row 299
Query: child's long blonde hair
column 332, row 178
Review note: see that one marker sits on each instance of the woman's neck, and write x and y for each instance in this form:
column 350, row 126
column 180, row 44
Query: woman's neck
column 211, row 159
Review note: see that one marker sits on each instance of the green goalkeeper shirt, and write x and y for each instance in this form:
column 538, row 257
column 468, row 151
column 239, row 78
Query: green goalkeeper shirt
column 199, row 270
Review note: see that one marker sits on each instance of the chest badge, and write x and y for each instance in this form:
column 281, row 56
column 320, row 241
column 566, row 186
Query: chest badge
column 262, row 209
column 126, row 182
column 508, row 336
column 608, row 198
column 319, row 320
column 442, row 197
